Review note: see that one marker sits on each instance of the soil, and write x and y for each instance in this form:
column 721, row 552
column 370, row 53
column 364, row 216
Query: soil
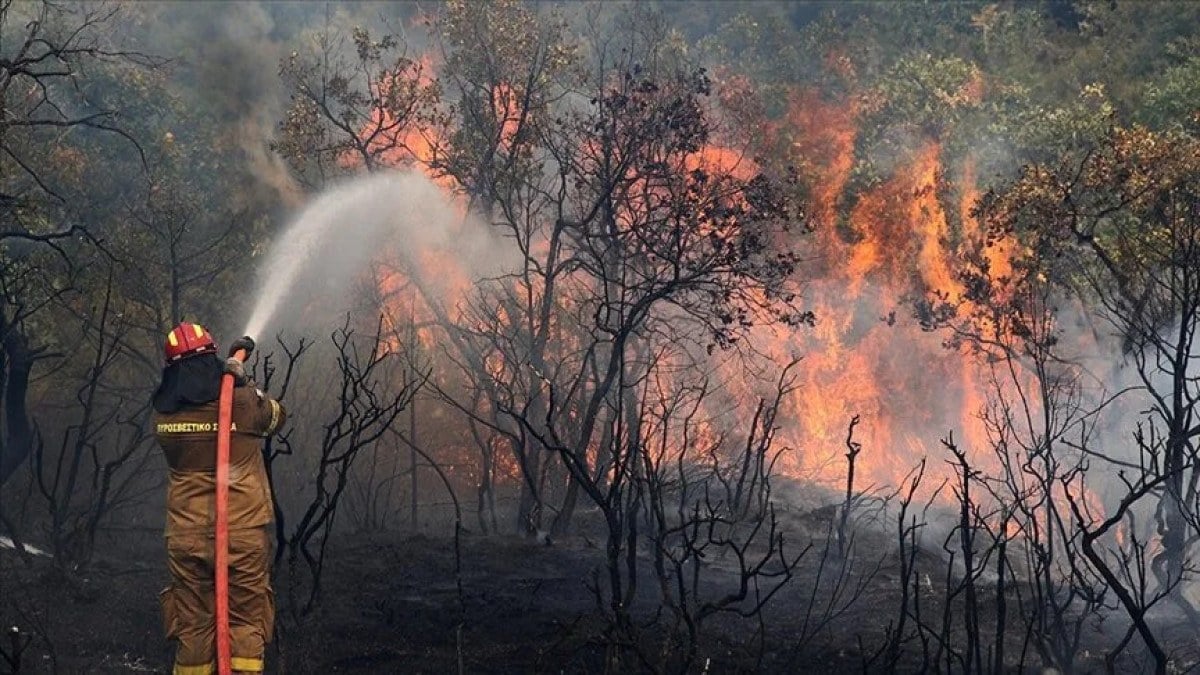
column 390, row 604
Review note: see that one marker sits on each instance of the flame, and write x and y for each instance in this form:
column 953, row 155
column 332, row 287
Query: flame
column 509, row 114
column 822, row 134
column 721, row 160
column 876, row 249
column 868, row 355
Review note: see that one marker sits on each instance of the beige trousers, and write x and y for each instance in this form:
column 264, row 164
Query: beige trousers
column 189, row 602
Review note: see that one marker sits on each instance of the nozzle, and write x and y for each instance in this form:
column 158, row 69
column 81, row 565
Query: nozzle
column 241, row 348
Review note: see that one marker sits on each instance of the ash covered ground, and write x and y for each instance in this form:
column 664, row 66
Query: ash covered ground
column 390, row 603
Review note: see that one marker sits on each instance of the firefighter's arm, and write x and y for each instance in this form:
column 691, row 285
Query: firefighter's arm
column 275, row 414
column 267, row 415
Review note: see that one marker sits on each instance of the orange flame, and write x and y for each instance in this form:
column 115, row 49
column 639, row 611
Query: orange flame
column 876, row 251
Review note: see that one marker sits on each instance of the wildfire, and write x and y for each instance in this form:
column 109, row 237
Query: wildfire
column 875, row 251
column 822, row 134
column 868, row 355
column 508, row 112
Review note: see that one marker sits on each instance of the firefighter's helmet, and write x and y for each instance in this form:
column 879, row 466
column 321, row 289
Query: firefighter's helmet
column 188, row 339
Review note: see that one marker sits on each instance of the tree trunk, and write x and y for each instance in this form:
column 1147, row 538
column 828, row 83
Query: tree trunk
column 18, row 432
column 529, row 509
column 562, row 520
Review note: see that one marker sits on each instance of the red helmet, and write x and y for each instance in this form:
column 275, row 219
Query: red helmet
column 188, row 339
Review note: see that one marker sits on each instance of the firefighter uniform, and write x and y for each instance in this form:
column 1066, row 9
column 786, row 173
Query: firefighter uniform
column 188, row 439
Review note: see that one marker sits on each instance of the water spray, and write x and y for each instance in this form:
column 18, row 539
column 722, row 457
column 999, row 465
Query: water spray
column 342, row 230
column 320, row 253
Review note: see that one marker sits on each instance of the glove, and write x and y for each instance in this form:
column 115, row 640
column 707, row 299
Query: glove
column 235, row 368
column 245, row 342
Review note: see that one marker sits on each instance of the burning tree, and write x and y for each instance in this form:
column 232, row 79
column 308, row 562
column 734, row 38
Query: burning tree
column 357, row 102
column 1120, row 219
column 651, row 248
column 642, row 245
column 1039, row 420
column 362, row 103
column 510, row 68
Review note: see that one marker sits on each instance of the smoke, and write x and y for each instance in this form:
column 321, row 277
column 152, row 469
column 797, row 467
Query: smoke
column 236, row 56
column 230, row 54
column 238, row 61
column 332, row 243
column 224, row 63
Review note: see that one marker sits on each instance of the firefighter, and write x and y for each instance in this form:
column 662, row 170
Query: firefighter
column 185, row 421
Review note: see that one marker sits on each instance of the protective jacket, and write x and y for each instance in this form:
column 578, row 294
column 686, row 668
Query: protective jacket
column 188, row 436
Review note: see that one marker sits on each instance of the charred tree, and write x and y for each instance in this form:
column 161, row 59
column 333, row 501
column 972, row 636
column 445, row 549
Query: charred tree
column 366, row 408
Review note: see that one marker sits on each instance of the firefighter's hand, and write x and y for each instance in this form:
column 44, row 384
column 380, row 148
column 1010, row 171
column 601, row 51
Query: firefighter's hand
column 235, row 368
column 245, row 343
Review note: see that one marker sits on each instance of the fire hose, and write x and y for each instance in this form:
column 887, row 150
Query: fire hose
column 224, row 424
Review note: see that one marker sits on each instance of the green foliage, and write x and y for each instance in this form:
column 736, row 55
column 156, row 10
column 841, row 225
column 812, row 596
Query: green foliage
column 505, row 65
column 1173, row 97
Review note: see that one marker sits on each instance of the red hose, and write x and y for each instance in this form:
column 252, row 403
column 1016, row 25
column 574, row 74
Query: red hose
column 224, row 423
